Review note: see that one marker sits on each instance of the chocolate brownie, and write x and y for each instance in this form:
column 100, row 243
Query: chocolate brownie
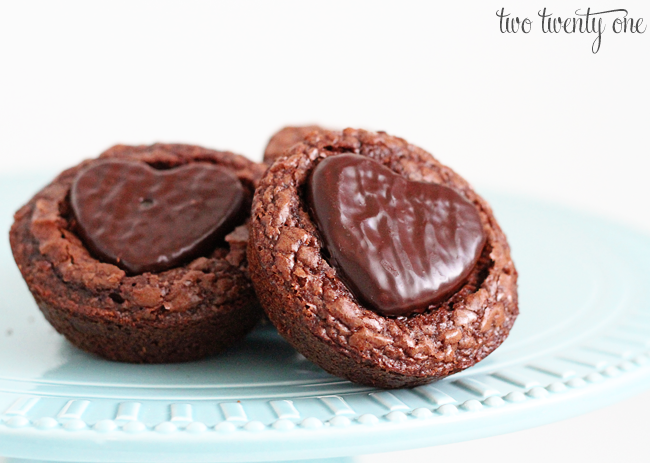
column 106, row 301
column 285, row 139
column 316, row 299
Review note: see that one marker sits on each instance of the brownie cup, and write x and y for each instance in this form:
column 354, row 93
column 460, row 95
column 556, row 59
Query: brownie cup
column 320, row 310
column 285, row 139
column 180, row 308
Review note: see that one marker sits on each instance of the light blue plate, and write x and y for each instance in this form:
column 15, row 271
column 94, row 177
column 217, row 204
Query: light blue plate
column 581, row 342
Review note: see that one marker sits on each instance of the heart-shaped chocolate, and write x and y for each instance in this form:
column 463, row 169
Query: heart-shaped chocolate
column 148, row 220
column 400, row 245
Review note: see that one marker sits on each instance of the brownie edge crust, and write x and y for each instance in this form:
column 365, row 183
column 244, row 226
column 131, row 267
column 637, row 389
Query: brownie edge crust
column 314, row 310
column 284, row 139
column 181, row 314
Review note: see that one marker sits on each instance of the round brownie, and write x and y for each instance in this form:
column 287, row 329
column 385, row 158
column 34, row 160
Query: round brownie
column 284, row 139
column 194, row 309
column 308, row 301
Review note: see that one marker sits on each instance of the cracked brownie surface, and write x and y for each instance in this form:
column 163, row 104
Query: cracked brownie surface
column 284, row 139
column 313, row 309
column 181, row 314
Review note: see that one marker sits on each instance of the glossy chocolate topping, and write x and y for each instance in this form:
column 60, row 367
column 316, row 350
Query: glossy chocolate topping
column 400, row 245
column 147, row 220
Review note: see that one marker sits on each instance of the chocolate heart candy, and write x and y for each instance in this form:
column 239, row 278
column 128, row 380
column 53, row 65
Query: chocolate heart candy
column 148, row 220
column 400, row 245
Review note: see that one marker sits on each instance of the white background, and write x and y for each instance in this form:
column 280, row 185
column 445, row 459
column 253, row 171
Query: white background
column 536, row 114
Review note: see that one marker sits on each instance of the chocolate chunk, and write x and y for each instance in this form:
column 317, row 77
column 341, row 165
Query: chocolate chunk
column 147, row 220
column 400, row 245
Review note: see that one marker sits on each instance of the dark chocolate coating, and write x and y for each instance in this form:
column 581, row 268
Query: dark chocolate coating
column 147, row 220
column 181, row 314
column 400, row 245
column 310, row 305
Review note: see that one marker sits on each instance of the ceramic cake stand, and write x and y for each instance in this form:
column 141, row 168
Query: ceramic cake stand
column 581, row 342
